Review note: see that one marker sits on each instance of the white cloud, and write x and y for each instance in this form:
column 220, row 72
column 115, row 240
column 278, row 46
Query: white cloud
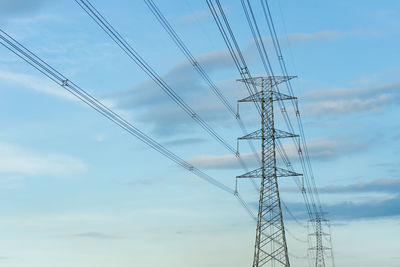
column 325, row 35
column 388, row 185
column 222, row 161
column 100, row 138
column 35, row 83
column 327, row 148
column 95, row 235
column 319, row 149
column 315, row 36
column 155, row 107
column 195, row 16
column 339, row 101
column 35, row 19
column 19, row 160
column 385, row 13
column 20, row 7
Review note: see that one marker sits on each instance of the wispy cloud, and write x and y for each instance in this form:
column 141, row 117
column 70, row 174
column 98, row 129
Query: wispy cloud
column 371, row 206
column 143, row 181
column 20, row 7
column 29, row 20
column 382, row 185
column 328, row 35
column 319, row 149
column 181, row 77
column 156, row 108
column 195, row 16
column 184, row 141
column 385, row 207
column 62, row 219
column 95, row 235
column 228, row 161
column 15, row 159
column 34, row 83
column 385, row 13
column 329, row 148
column 299, row 38
column 388, row 185
column 46, row 86
column 296, row 38
column 341, row 101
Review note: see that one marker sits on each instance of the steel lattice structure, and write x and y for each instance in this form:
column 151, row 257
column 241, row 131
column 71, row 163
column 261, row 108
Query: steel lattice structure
column 317, row 251
column 270, row 245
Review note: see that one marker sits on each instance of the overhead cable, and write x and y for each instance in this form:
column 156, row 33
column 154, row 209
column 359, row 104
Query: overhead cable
column 278, row 51
column 198, row 67
column 305, row 163
column 128, row 49
column 21, row 51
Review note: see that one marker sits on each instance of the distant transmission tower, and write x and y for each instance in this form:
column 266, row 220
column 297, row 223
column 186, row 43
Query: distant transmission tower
column 318, row 252
column 270, row 245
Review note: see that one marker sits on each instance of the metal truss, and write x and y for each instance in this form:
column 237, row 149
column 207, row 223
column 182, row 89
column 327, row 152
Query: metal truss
column 317, row 252
column 270, row 245
column 277, row 133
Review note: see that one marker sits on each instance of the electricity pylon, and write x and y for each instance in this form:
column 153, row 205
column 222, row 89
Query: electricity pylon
column 317, row 252
column 270, row 245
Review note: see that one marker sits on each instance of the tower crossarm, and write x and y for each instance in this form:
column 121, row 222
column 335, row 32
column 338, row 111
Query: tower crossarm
column 276, row 96
column 322, row 233
column 284, row 134
column 267, row 81
column 319, row 248
column 277, row 133
column 258, row 173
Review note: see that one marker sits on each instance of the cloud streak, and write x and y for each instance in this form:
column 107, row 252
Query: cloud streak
column 156, row 108
column 228, row 161
column 20, row 7
column 326, row 35
column 95, row 235
column 167, row 118
column 297, row 38
column 34, row 83
column 321, row 149
column 387, row 185
column 195, row 16
column 19, row 160
column 386, row 207
column 301, row 38
column 373, row 207
column 340, row 101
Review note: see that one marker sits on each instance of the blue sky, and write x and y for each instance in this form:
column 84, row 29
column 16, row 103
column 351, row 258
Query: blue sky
column 76, row 190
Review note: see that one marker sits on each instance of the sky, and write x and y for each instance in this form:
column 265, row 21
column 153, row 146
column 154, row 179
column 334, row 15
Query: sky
column 77, row 190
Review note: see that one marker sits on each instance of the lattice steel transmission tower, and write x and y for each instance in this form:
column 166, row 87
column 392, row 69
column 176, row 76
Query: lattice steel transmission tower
column 270, row 245
column 318, row 252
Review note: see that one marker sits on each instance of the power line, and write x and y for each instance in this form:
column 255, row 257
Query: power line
column 128, row 49
column 233, row 47
column 318, row 215
column 308, row 177
column 181, row 45
column 33, row 60
column 291, row 215
column 198, row 67
column 295, row 237
column 239, row 61
column 282, row 64
column 268, row 68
